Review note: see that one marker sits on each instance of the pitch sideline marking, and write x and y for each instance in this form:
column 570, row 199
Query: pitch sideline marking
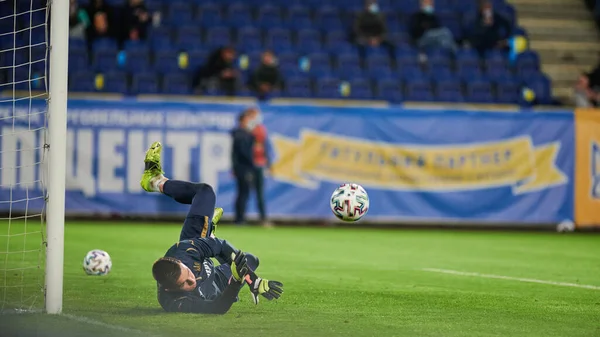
column 510, row 278
column 87, row 320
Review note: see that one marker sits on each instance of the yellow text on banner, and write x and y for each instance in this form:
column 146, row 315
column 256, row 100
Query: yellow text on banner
column 512, row 162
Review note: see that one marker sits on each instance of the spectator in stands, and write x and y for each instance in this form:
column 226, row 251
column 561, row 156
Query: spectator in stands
column 266, row 77
column 219, row 71
column 587, row 89
column 490, row 29
column 79, row 20
column 370, row 29
column 427, row 32
column 135, row 20
column 101, row 16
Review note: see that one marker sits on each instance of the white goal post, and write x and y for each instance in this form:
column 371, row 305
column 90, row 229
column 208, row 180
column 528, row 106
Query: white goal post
column 34, row 39
column 57, row 153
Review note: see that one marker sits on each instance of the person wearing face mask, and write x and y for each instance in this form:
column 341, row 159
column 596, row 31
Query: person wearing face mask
column 242, row 163
column 427, row 32
column 370, row 29
column 266, row 77
column 262, row 161
column 101, row 16
column 490, row 29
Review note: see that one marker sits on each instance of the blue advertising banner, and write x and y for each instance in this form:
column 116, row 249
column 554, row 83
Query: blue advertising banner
column 415, row 164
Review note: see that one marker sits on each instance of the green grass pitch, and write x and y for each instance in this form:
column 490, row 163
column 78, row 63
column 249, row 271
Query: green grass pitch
column 338, row 282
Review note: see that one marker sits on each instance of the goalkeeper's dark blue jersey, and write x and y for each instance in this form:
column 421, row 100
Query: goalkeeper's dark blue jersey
column 196, row 254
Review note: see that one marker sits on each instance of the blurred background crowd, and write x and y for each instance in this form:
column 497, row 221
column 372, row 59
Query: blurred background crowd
column 410, row 50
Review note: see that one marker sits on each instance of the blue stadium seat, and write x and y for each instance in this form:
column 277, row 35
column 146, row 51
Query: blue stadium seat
column 209, row 15
column 291, row 70
column 508, row 12
column 449, row 91
column 389, row 90
column 406, row 7
column 19, row 77
column 479, row 92
column 467, row 56
column 441, row 73
column 137, row 61
column 189, row 38
column 145, row 83
column 540, row 84
column 498, row 71
column 399, row 38
column 439, row 61
column 378, row 65
column 105, row 60
column 349, row 73
column 508, row 92
column 418, row 91
column 328, row 18
column 131, row 46
column 320, row 65
column 176, row 84
column 309, row 41
column 153, row 5
column 269, row 17
column 104, row 44
column 115, row 82
column 197, row 58
column 407, row 57
column 218, row 37
column 348, row 60
column 78, row 60
column 411, row 73
column 298, row 17
column 77, row 44
column 279, row 40
column 288, row 59
column 239, row 15
column 328, row 87
column 527, row 63
column 161, row 39
column 465, row 6
column 166, row 61
column 298, row 87
column 249, row 39
column 360, row 89
column 337, row 42
column 468, row 71
column 180, row 13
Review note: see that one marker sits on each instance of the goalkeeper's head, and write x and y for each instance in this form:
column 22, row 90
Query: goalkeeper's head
column 173, row 275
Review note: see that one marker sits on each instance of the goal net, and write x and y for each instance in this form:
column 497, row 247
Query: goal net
column 23, row 158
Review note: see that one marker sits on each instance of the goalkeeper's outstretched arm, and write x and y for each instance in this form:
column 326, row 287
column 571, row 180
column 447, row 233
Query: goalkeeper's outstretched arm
column 218, row 306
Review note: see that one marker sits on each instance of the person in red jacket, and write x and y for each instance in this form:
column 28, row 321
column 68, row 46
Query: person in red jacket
column 262, row 161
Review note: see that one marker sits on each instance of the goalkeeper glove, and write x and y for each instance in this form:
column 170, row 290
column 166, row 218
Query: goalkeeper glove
column 239, row 266
column 258, row 286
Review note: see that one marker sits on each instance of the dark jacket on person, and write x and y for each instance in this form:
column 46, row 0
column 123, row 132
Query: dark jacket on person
column 487, row 37
column 132, row 21
column 242, row 150
column 420, row 23
column 213, row 67
column 265, row 74
column 369, row 24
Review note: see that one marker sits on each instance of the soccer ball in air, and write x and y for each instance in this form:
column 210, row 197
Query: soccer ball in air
column 97, row 262
column 349, row 202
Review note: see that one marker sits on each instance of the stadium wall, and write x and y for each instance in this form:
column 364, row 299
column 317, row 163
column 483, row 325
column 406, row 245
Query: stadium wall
column 419, row 164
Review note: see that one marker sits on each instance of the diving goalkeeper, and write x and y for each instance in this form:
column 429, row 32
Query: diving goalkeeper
column 186, row 277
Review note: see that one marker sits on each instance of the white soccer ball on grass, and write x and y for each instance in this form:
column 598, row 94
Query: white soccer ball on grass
column 97, row 263
column 349, row 202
